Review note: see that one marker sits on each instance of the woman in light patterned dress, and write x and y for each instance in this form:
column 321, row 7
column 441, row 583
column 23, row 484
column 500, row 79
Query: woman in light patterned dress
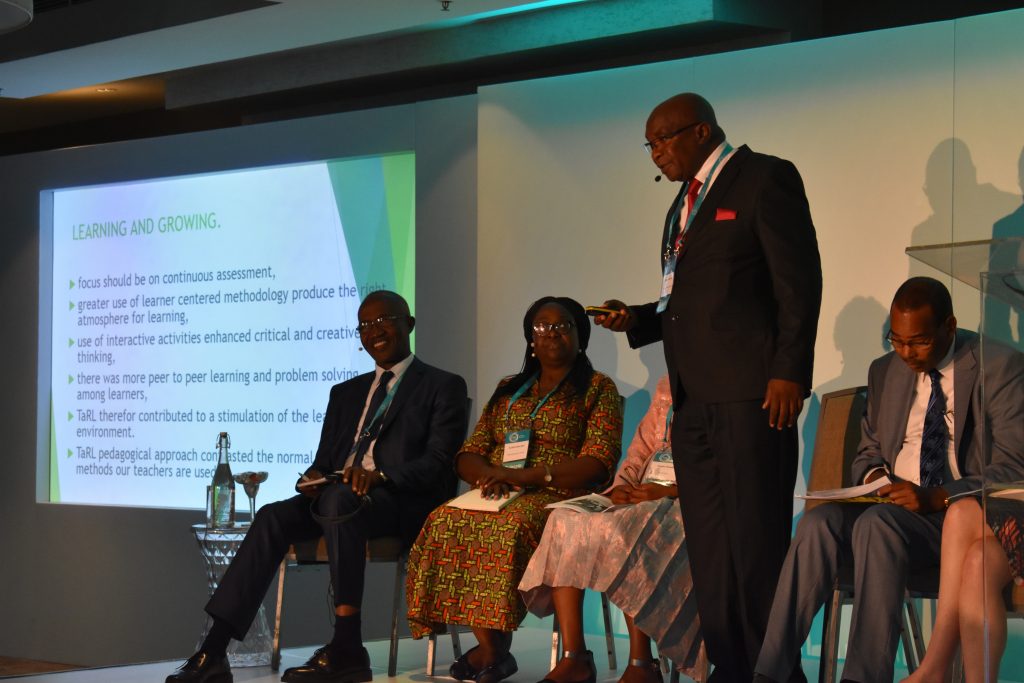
column 635, row 553
column 466, row 565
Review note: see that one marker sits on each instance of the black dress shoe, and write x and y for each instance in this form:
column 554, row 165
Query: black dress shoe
column 461, row 669
column 203, row 668
column 499, row 671
column 323, row 666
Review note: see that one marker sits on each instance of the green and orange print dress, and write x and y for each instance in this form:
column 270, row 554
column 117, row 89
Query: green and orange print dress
column 466, row 565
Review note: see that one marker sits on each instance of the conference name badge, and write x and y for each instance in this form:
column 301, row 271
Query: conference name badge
column 517, row 446
column 668, row 278
column 660, row 469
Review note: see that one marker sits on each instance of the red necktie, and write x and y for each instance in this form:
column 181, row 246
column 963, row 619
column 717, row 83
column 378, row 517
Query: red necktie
column 691, row 199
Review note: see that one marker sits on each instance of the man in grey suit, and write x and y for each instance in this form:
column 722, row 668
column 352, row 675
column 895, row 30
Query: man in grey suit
column 923, row 428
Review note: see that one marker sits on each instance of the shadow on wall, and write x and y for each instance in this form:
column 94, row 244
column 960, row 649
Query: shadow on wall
column 965, row 210
column 1001, row 320
column 603, row 352
column 962, row 208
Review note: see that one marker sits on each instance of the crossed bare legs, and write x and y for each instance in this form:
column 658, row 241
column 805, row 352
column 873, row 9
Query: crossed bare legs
column 973, row 571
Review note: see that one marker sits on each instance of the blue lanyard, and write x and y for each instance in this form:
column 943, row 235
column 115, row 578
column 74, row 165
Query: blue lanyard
column 381, row 409
column 668, row 425
column 523, row 389
column 673, row 238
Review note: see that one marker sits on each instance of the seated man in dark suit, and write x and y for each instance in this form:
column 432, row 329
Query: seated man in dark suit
column 393, row 432
column 925, row 427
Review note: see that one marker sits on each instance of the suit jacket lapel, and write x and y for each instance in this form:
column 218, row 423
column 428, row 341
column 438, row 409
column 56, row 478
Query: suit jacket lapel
column 719, row 188
column 412, row 377
column 899, row 397
column 965, row 374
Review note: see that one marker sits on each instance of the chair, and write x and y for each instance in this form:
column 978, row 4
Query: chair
column 383, row 549
column 835, row 446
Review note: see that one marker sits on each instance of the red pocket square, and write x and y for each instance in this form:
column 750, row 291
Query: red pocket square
column 725, row 214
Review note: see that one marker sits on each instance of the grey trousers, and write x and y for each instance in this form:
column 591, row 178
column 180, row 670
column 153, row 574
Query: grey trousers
column 884, row 543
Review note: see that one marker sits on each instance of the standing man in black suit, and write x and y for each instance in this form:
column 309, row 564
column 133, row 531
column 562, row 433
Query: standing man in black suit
column 393, row 433
column 738, row 315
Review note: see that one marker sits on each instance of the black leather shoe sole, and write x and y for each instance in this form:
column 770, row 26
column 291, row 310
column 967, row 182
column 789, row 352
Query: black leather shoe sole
column 215, row 678
column 353, row 675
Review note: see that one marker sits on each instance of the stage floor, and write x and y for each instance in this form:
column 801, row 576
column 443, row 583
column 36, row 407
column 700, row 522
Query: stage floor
column 532, row 649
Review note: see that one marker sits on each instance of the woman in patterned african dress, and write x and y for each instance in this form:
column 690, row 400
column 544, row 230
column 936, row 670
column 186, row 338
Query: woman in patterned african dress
column 981, row 553
column 466, row 565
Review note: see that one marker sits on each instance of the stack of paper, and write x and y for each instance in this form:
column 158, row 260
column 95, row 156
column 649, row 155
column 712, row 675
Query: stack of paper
column 473, row 499
column 852, row 494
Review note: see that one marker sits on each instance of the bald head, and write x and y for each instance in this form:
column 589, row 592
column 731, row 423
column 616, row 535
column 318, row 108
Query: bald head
column 688, row 106
column 395, row 302
column 385, row 326
column 922, row 327
column 682, row 132
column 924, row 293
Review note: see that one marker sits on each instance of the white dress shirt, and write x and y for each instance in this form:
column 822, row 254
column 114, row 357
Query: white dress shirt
column 399, row 369
column 704, row 172
column 908, row 461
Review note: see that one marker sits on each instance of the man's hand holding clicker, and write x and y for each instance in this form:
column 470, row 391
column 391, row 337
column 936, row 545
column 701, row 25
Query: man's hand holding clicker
column 622, row 320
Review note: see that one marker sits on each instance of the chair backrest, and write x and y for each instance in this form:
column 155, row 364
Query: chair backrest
column 836, row 440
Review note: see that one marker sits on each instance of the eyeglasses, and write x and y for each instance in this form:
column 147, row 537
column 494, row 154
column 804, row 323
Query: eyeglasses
column 365, row 326
column 913, row 344
column 561, row 327
column 657, row 142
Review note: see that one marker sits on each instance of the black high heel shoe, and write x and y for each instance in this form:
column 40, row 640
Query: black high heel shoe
column 586, row 656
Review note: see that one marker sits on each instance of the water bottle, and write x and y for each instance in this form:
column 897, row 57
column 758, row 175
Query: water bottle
column 220, row 494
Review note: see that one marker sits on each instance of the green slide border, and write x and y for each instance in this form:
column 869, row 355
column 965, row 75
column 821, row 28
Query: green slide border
column 376, row 199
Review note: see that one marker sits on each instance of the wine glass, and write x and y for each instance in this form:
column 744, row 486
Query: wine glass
column 251, row 481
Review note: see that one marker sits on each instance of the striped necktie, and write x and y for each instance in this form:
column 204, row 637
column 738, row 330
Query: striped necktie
column 371, row 427
column 935, row 437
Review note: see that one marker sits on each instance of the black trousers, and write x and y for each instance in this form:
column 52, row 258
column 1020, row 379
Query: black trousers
column 278, row 525
column 735, row 476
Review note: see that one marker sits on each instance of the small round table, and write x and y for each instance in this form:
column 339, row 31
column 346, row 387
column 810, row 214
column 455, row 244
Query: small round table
column 218, row 547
